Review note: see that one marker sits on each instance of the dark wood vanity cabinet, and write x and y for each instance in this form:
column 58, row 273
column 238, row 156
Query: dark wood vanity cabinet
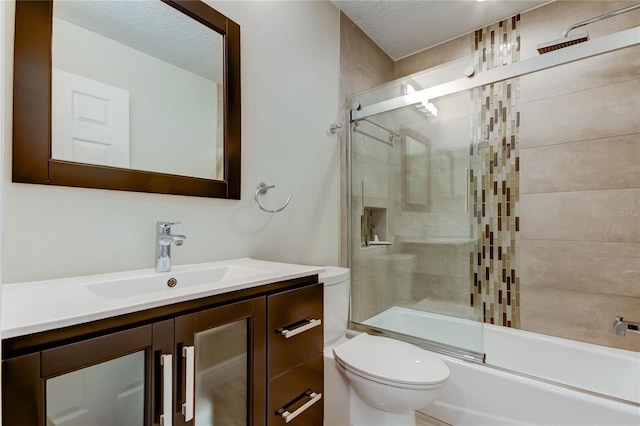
column 295, row 364
column 225, row 359
column 24, row 378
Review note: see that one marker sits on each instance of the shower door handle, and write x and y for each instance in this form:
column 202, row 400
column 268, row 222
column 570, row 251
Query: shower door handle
column 362, row 195
column 466, row 190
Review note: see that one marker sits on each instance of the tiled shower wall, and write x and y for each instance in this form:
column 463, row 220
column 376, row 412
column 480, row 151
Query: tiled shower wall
column 579, row 172
column 580, row 177
column 580, row 182
column 363, row 65
column 494, row 179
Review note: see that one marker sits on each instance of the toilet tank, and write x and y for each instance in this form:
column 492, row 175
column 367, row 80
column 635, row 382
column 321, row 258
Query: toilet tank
column 337, row 283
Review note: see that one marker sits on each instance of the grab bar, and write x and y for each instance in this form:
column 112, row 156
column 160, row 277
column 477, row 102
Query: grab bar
column 261, row 190
column 392, row 134
column 375, row 137
column 620, row 326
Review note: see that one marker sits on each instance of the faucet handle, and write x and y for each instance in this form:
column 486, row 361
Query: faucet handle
column 619, row 327
column 165, row 227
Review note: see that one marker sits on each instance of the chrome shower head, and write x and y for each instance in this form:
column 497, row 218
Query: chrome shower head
column 570, row 41
column 562, row 43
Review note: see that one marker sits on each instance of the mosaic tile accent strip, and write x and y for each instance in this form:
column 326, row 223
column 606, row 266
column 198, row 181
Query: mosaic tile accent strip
column 494, row 179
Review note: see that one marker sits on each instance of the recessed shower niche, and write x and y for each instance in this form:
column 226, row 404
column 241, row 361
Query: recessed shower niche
column 373, row 227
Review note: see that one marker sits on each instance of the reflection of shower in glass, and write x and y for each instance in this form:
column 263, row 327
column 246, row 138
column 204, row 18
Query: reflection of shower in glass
column 425, row 107
column 428, row 109
column 391, row 137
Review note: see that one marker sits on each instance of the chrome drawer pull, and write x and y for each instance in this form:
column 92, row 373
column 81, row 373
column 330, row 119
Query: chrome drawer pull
column 287, row 416
column 187, row 407
column 311, row 323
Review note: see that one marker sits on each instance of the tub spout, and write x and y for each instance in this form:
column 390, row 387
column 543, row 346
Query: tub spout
column 621, row 326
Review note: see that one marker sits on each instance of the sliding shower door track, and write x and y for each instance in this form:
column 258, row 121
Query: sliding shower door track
column 430, row 345
column 596, row 47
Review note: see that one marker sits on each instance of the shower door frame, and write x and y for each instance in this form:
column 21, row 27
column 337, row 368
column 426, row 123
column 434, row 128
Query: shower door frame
column 605, row 44
column 602, row 45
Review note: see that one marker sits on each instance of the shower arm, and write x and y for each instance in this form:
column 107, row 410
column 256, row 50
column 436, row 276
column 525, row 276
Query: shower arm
column 566, row 32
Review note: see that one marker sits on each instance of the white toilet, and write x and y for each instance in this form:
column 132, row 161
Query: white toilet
column 381, row 381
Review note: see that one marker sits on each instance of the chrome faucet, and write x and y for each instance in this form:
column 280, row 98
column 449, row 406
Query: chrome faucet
column 620, row 326
column 164, row 238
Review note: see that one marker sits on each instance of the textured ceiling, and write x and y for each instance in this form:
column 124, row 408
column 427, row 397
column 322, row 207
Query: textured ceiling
column 404, row 27
column 151, row 27
column 399, row 27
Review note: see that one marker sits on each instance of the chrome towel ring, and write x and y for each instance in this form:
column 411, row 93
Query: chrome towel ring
column 261, row 190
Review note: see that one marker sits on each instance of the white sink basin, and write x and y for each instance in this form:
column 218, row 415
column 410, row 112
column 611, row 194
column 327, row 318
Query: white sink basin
column 36, row 306
column 163, row 282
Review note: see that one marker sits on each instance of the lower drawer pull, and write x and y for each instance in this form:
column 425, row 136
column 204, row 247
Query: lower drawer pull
column 313, row 398
column 310, row 323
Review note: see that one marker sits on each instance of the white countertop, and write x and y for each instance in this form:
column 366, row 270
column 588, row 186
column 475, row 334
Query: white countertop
column 441, row 240
column 36, row 306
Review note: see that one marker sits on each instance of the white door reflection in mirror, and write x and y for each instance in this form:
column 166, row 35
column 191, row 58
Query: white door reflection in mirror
column 172, row 67
column 90, row 121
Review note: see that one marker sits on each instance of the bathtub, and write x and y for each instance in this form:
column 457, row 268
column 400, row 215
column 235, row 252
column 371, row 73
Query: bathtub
column 575, row 383
column 457, row 332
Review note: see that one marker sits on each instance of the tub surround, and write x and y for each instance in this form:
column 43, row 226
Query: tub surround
column 594, row 368
column 477, row 395
column 39, row 306
column 607, row 372
column 578, row 238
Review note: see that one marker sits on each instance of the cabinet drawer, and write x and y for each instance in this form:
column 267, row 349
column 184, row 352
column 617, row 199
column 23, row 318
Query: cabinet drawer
column 298, row 395
column 294, row 328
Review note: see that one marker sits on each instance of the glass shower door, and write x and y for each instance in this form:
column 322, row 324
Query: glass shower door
column 412, row 224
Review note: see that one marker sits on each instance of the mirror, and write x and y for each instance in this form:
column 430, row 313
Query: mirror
column 161, row 120
column 416, row 158
column 136, row 85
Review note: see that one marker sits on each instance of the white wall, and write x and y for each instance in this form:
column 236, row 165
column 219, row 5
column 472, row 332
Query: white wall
column 289, row 97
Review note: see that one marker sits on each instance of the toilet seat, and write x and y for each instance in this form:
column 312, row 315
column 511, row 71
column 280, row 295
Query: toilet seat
column 391, row 362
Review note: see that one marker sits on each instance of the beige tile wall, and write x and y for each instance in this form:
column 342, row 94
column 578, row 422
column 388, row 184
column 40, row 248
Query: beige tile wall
column 446, row 52
column 363, row 65
column 580, row 183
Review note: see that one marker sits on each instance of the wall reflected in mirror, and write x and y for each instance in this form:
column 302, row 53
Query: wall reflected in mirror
column 136, row 85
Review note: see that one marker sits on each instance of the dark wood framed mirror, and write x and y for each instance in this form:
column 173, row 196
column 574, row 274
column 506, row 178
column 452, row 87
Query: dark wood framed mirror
column 32, row 114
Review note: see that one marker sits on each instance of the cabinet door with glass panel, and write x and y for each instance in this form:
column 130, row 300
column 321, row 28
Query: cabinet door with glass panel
column 105, row 380
column 221, row 371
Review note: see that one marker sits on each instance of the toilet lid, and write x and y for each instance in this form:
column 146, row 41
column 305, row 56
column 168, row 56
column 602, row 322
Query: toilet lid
column 391, row 360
